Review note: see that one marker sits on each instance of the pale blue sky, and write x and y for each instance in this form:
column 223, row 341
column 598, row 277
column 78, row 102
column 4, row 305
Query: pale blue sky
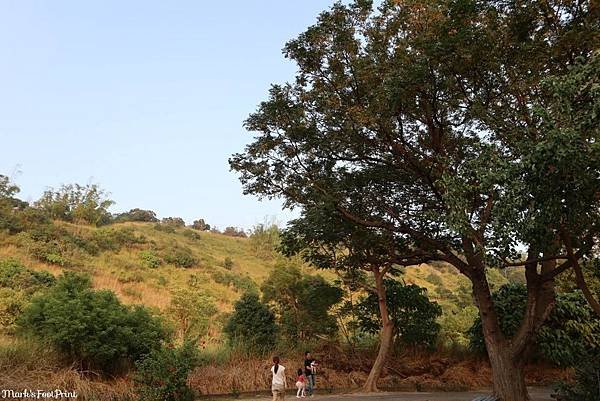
column 146, row 98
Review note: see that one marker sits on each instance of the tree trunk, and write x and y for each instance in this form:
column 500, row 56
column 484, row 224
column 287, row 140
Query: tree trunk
column 509, row 379
column 386, row 336
column 507, row 368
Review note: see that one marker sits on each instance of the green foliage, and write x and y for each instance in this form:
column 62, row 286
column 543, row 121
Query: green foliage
column 17, row 285
column 586, row 386
column 252, row 323
column 91, row 327
column 228, row 263
column 162, row 374
column 239, row 282
column 149, row 259
column 179, row 256
column 192, row 312
column 136, row 214
column 413, row 314
column 191, row 234
column 14, row 275
column 166, row 228
column 571, row 332
column 454, row 327
column 302, row 302
column 264, row 239
column 77, row 203
column 113, row 239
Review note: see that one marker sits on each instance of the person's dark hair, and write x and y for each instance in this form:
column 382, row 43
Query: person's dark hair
column 306, row 353
column 276, row 364
column 299, row 372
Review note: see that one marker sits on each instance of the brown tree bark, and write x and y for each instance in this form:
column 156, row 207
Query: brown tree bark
column 386, row 335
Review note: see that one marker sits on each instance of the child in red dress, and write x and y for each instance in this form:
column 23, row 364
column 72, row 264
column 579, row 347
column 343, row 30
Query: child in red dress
column 300, row 384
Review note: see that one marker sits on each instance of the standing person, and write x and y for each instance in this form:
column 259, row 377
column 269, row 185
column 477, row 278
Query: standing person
column 309, row 371
column 278, row 385
column 301, row 384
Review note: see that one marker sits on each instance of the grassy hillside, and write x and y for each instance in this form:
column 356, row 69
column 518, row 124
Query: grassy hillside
column 223, row 266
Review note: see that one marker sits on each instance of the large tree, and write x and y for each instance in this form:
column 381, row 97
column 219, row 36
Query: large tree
column 464, row 131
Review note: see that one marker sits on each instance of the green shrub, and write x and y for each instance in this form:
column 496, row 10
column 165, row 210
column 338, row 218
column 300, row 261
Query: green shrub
column 15, row 276
column 166, row 228
column 239, row 283
column 51, row 251
column 180, row 256
column 586, row 386
column 12, row 304
column 162, row 374
column 191, row 234
column 228, row 263
column 92, row 328
column 149, row 259
column 252, row 323
column 136, row 215
column 113, row 239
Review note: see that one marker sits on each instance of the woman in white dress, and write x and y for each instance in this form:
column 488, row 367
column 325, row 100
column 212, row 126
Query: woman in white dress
column 278, row 385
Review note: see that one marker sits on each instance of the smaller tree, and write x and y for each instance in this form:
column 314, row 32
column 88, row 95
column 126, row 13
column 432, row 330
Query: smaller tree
column 162, row 374
column 252, row 323
column 200, row 225
column 79, row 203
column 302, row 301
column 192, row 312
column 413, row 314
column 264, row 239
column 93, row 328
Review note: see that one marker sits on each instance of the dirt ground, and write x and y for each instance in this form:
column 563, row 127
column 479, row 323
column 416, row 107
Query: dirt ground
column 537, row 394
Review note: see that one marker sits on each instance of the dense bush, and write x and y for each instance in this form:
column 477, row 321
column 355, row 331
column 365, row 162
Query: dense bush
column 113, row 239
column 51, row 250
column 252, row 323
column 17, row 285
column 136, row 214
column 413, row 314
column 149, row 259
column 239, row 282
column 92, row 328
column 191, row 234
column 302, row 302
column 571, row 332
column 14, row 275
column 586, row 386
column 77, row 203
column 179, row 256
column 162, row 374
